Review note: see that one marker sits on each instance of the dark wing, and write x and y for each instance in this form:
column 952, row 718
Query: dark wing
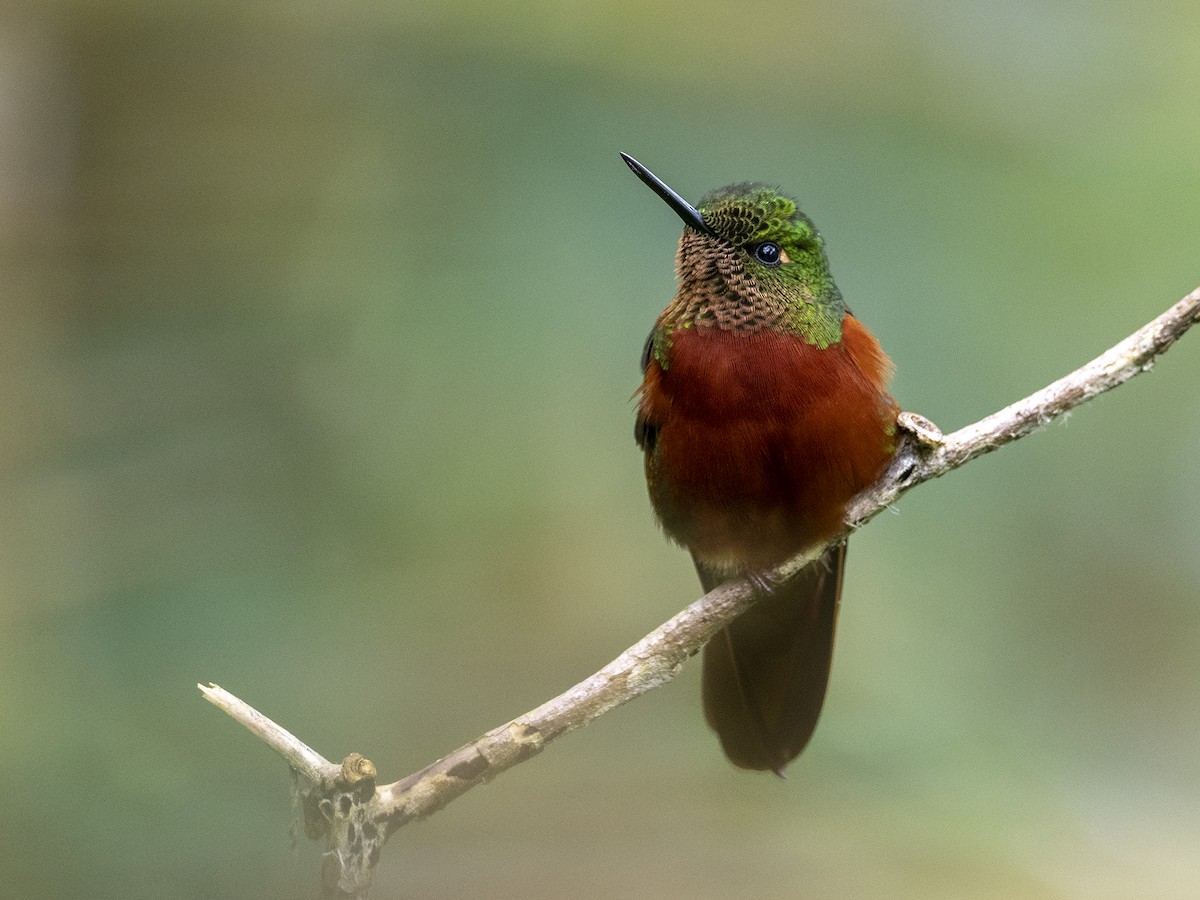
column 648, row 351
column 645, row 432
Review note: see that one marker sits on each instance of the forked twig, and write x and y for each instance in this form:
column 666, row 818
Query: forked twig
column 344, row 805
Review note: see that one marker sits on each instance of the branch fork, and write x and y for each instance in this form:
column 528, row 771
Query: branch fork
column 343, row 804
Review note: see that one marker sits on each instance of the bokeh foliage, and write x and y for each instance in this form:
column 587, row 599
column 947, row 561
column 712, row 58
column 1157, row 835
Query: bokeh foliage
column 318, row 327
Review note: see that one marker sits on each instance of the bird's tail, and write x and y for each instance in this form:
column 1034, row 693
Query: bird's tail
column 765, row 675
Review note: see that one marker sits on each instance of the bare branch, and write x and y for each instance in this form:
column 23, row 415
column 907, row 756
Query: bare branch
column 920, row 460
column 343, row 803
column 307, row 762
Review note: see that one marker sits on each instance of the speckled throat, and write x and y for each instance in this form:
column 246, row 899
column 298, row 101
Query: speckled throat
column 715, row 289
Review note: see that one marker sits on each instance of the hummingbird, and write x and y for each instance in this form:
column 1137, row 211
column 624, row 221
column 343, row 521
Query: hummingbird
column 762, row 412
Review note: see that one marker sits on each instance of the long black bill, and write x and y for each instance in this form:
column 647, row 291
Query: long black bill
column 683, row 209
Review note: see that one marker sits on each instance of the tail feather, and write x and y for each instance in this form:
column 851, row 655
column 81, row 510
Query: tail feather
column 765, row 675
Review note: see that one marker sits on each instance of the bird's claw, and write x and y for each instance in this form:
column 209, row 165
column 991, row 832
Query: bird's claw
column 763, row 582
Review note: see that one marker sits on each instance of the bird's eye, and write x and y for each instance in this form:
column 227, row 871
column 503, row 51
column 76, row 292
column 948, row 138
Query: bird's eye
column 767, row 253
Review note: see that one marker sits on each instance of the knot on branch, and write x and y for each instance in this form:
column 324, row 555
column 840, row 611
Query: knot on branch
column 924, row 432
column 920, row 439
column 357, row 769
column 343, row 810
column 354, row 839
column 343, row 803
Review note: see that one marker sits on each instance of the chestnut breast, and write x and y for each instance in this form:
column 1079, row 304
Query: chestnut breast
column 755, row 442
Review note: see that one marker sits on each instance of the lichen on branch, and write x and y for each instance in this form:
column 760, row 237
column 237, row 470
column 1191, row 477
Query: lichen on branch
column 343, row 804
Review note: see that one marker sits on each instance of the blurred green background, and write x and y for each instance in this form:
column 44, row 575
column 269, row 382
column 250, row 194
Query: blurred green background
column 318, row 329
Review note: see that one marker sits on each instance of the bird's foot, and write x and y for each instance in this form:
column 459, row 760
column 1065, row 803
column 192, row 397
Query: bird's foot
column 762, row 581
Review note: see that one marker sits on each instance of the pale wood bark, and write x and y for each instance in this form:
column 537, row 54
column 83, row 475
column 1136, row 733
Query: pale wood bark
column 342, row 803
